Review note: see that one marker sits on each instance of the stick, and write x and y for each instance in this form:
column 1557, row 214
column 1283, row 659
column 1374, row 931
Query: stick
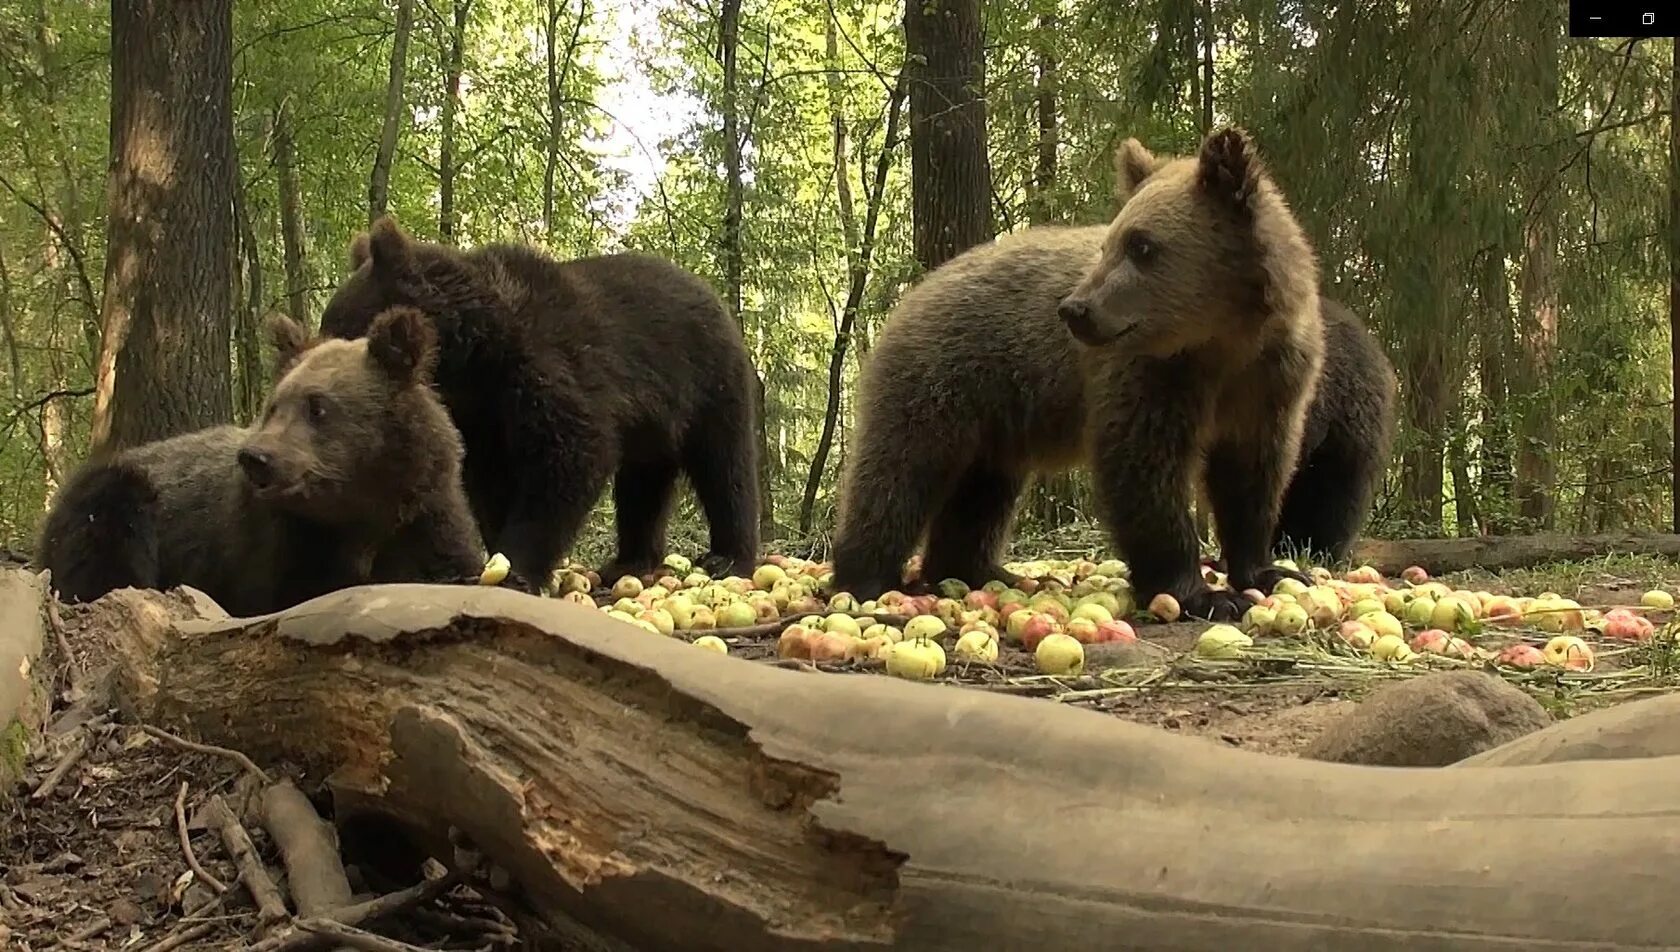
column 72, row 669
column 186, row 843
column 358, row 913
column 313, row 869
column 270, row 907
column 354, row 937
column 177, row 939
column 78, row 749
column 234, row 755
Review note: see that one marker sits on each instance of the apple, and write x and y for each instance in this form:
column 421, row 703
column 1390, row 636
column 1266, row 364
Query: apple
column 1452, row 613
column 879, row 630
column 843, row 602
column 794, row 642
column 711, row 643
column 1384, row 624
column 767, row 575
column 1568, row 652
column 1521, row 655
column 981, row 598
column 1037, row 628
column 1164, row 607
column 703, row 619
column 621, row 616
column 1657, row 600
column 764, row 609
column 1367, row 606
column 1366, row 574
column 1260, row 618
column 874, row 648
column 1117, row 631
column 1421, row 611
column 1414, row 575
column 1291, row 620
column 1093, row 612
column 1389, row 647
column 1556, row 614
column 1323, row 606
column 915, row 660
column 1289, row 586
column 1051, row 607
column 496, row 570
column 736, row 615
column 843, row 625
column 678, row 564
column 1082, row 630
column 628, row 586
column 1502, row 610
column 976, row 645
column 924, row 626
column 1357, row 634
column 1395, row 601
column 830, row 646
column 1222, row 642
column 1059, row 654
column 578, row 598
column 1621, row 624
column 660, row 619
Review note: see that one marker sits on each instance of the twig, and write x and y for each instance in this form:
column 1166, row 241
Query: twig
column 72, row 668
column 354, row 937
column 358, row 913
column 177, row 939
column 78, row 749
column 186, row 843
column 94, row 928
column 235, row 755
column 270, row 907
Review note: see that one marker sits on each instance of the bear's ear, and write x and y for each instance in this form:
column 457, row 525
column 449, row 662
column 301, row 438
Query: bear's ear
column 403, row 344
column 1132, row 164
column 1229, row 169
column 359, row 251
column 288, row 339
column 390, row 248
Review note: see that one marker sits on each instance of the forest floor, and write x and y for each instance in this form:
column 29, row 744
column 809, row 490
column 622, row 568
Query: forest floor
column 92, row 854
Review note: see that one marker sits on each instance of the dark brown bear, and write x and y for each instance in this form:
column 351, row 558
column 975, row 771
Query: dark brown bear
column 562, row 375
column 352, row 475
column 1185, row 338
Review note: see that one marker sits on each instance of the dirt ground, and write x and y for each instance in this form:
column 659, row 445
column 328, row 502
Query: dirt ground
column 98, row 863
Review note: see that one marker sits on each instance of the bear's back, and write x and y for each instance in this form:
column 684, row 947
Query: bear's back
column 647, row 340
column 208, row 532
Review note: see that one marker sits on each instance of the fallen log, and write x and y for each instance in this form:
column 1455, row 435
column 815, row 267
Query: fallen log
column 1495, row 553
column 647, row 795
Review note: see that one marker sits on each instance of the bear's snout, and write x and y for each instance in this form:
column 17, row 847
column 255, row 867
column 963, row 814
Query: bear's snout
column 258, row 466
column 1076, row 314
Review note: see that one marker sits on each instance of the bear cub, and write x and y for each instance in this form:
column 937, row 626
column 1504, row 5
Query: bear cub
column 351, row 475
column 561, row 375
column 1184, row 343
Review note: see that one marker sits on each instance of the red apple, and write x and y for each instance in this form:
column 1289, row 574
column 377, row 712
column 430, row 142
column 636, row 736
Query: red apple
column 1116, row 631
column 1623, row 625
column 1415, row 574
column 1521, row 655
column 1037, row 628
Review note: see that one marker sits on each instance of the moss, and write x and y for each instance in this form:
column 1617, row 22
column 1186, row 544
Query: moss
column 14, row 753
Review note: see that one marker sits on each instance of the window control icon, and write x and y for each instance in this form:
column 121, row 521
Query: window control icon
column 1648, row 19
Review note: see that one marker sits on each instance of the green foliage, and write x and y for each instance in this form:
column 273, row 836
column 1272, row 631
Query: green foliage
column 1433, row 150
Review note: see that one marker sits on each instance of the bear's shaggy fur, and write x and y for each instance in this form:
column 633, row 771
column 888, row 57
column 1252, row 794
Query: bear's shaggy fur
column 1186, row 337
column 561, row 375
column 352, row 475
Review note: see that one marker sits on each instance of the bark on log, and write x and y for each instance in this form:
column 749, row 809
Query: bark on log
column 1507, row 552
column 664, row 797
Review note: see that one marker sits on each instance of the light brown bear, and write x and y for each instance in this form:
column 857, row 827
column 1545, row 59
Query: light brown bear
column 1184, row 345
column 351, row 475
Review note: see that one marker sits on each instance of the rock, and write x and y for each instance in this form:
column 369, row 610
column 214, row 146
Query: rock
column 1430, row 721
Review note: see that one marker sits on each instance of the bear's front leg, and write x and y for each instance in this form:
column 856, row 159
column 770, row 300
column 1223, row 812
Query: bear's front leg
column 1254, row 453
column 1146, row 418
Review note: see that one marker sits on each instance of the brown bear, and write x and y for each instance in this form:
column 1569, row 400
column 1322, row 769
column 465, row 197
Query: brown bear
column 561, row 375
column 1184, row 340
column 351, row 475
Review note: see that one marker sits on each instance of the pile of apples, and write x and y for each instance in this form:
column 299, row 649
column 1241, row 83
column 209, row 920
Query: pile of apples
column 1371, row 616
column 1058, row 607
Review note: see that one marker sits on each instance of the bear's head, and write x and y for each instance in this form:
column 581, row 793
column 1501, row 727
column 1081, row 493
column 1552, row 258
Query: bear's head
column 353, row 428
column 1203, row 252
column 390, row 269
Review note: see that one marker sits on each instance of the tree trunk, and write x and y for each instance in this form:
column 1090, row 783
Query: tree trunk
column 1422, row 474
column 1494, row 553
column 752, row 812
column 860, row 257
column 247, row 337
column 1465, row 517
column 950, row 171
column 1207, row 66
column 1674, row 274
column 1043, row 193
column 446, row 134
column 379, row 183
column 558, row 71
column 734, row 202
column 169, row 264
column 1536, row 471
column 1495, row 430
column 291, row 214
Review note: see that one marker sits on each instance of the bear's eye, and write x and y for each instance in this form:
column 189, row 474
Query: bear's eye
column 317, row 407
column 1141, row 249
